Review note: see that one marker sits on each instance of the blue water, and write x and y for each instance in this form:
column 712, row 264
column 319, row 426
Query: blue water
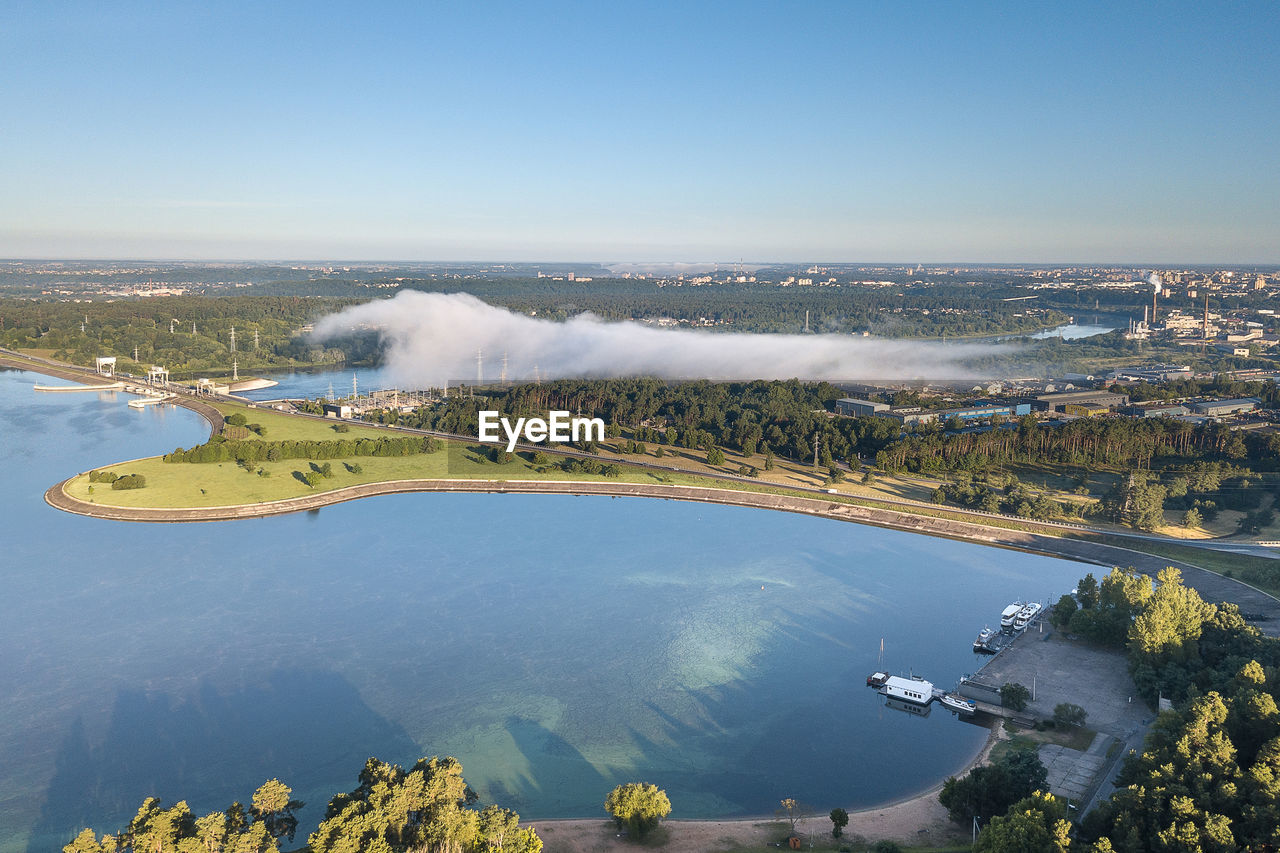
column 556, row 645
column 312, row 384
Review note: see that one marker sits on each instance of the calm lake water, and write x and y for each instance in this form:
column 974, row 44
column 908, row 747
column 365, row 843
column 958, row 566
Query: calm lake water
column 556, row 645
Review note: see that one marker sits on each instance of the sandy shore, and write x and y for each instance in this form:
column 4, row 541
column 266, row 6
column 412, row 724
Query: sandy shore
column 915, row 821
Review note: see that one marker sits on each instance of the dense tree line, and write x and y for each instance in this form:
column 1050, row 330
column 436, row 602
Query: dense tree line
column 117, row 327
column 1208, row 777
column 428, row 807
column 269, row 820
column 991, row 789
column 783, row 418
column 219, row 449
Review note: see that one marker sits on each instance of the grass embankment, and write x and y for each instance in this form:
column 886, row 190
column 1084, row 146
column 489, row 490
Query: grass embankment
column 188, row 485
column 181, row 485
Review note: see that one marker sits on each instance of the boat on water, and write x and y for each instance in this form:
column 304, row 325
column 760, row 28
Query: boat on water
column 877, row 679
column 962, row 706
column 913, row 689
column 1025, row 615
column 983, row 641
column 1010, row 614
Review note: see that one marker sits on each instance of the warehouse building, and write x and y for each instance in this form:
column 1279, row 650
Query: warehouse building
column 1222, row 408
column 1094, row 399
column 1157, row 410
column 855, row 408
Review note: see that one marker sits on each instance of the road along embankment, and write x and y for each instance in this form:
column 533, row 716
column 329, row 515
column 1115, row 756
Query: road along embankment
column 1213, row 587
column 91, row 379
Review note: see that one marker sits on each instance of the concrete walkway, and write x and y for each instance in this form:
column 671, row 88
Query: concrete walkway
column 1071, row 772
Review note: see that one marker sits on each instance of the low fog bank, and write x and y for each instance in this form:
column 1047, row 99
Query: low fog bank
column 431, row 338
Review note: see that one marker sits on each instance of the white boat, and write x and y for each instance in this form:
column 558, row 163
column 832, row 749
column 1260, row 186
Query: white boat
column 915, row 690
column 959, row 704
column 1025, row 615
column 983, row 642
column 1010, row 613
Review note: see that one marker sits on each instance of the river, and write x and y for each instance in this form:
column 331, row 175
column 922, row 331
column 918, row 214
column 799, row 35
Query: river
column 556, row 645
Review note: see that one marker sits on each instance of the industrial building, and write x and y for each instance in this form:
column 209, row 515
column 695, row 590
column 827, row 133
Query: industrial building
column 1222, row 408
column 1096, row 399
column 855, row 408
column 1152, row 373
column 1157, row 410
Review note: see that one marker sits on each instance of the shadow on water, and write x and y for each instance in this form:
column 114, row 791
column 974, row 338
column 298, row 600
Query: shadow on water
column 310, row 729
column 551, row 760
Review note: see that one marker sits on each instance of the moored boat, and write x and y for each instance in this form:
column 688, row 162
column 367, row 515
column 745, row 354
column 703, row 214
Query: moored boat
column 959, row 704
column 1011, row 613
column 983, row 641
column 1025, row 615
column 877, row 679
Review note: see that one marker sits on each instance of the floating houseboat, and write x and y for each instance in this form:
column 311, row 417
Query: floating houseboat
column 915, row 690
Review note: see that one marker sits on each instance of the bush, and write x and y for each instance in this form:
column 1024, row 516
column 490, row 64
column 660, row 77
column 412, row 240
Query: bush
column 236, row 419
column 1014, row 696
column 129, row 481
column 1069, row 714
column 638, row 807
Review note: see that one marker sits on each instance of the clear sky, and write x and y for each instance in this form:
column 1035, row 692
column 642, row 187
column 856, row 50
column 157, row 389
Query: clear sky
column 630, row 131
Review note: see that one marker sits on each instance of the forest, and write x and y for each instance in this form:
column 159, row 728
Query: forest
column 1208, row 776
column 190, row 335
column 1211, row 463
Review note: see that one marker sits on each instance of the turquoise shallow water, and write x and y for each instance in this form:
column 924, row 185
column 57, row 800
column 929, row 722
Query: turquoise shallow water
column 556, row 645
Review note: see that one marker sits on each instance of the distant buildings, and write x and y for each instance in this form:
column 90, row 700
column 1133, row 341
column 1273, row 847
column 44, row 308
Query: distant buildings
column 1221, row 408
column 1104, row 400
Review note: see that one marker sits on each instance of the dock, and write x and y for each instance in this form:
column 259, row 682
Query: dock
column 109, row 386
column 143, row 402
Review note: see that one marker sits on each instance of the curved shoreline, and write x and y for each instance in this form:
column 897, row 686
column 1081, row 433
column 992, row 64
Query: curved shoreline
column 903, row 819
column 1213, row 586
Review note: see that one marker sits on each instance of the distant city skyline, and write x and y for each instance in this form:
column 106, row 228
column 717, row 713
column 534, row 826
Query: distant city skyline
column 836, row 132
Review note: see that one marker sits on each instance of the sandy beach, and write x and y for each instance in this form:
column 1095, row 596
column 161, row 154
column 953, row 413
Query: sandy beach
column 920, row 820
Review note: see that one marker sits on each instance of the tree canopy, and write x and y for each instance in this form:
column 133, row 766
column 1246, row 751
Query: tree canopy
column 638, row 807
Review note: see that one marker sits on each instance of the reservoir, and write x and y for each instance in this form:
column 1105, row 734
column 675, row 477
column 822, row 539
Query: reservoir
column 556, row 645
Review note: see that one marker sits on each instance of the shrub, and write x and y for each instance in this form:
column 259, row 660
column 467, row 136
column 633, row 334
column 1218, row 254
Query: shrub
column 1069, row 714
column 129, row 481
column 1014, row 696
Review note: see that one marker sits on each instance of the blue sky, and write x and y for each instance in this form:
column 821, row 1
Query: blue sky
column 1028, row 131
